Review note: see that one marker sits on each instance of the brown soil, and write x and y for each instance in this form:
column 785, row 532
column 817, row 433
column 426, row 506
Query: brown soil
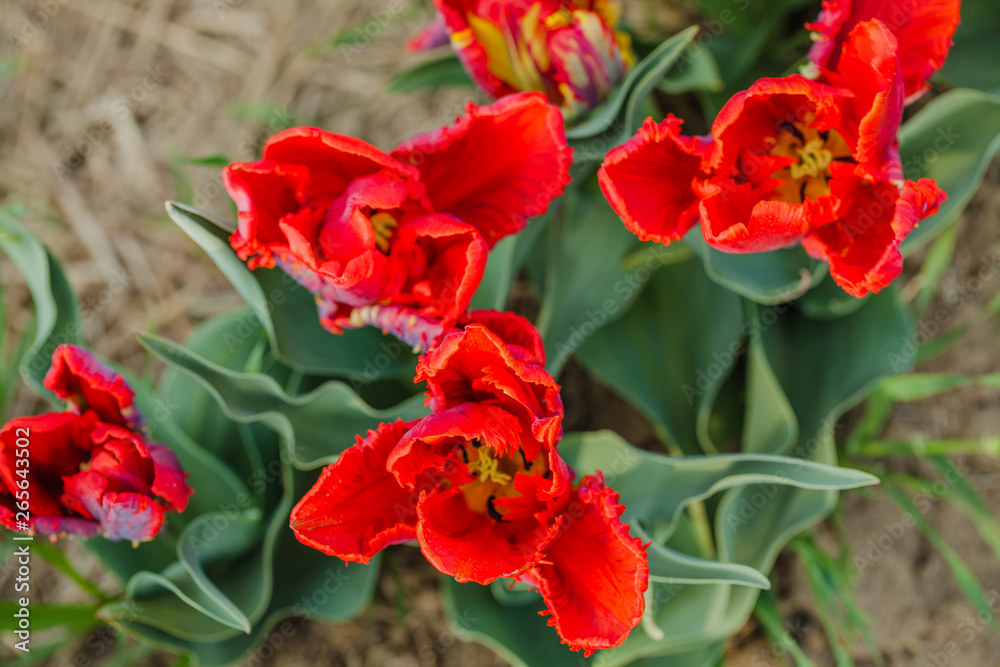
column 108, row 91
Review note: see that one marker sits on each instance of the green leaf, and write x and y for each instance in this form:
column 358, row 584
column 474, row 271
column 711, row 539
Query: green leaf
column 697, row 71
column 57, row 319
column 935, row 264
column 184, row 601
column 432, row 74
column 828, row 300
column 498, row 277
column 975, row 45
column 41, row 616
column 522, row 637
column 316, row 586
column 618, row 118
column 765, row 277
column 682, row 480
column 588, row 278
column 916, row 386
column 669, row 354
column 287, row 312
column 822, row 368
column 952, row 140
column 672, row 567
column 316, row 427
column 770, row 424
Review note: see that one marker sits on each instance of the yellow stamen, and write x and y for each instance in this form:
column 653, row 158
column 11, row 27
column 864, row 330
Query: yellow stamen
column 383, row 224
column 813, row 159
column 487, row 468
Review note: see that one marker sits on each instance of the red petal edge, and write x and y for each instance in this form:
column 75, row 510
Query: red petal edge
column 357, row 508
column 497, row 166
column 648, row 181
column 593, row 574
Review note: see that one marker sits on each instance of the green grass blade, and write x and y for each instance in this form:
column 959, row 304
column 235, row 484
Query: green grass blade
column 771, row 620
column 936, row 263
column 964, row 577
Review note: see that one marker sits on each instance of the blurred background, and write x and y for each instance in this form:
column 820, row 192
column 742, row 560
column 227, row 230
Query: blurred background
column 110, row 107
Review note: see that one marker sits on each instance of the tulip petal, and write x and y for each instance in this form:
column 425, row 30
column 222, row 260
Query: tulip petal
column 134, row 517
column 521, row 338
column 648, row 181
column 58, row 444
column 497, row 166
column 869, row 68
column 593, row 574
column 863, row 247
column 924, row 29
column 80, row 379
column 357, row 508
column 472, row 546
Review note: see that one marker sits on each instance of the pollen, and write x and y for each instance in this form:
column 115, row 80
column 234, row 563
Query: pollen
column 488, row 468
column 814, row 158
column 384, row 224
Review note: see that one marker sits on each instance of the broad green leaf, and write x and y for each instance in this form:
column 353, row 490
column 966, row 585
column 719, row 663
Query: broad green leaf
column 765, row 277
column 587, row 280
column 681, row 480
column 697, row 70
column 770, row 424
column 194, row 409
column 975, row 47
column 317, row 586
column 437, row 73
column 828, row 300
column 672, row 567
column 822, row 368
column 616, row 120
column 952, row 140
column 669, row 354
column 316, row 427
column 522, row 637
column 57, row 319
column 500, row 273
column 287, row 312
column 42, row 616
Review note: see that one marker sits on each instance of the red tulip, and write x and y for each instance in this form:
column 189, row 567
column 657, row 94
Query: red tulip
column 410, row 230
column 480, row 485
column 923, row 29
column 90, row 470
column 790, row 160
column 569, row 50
